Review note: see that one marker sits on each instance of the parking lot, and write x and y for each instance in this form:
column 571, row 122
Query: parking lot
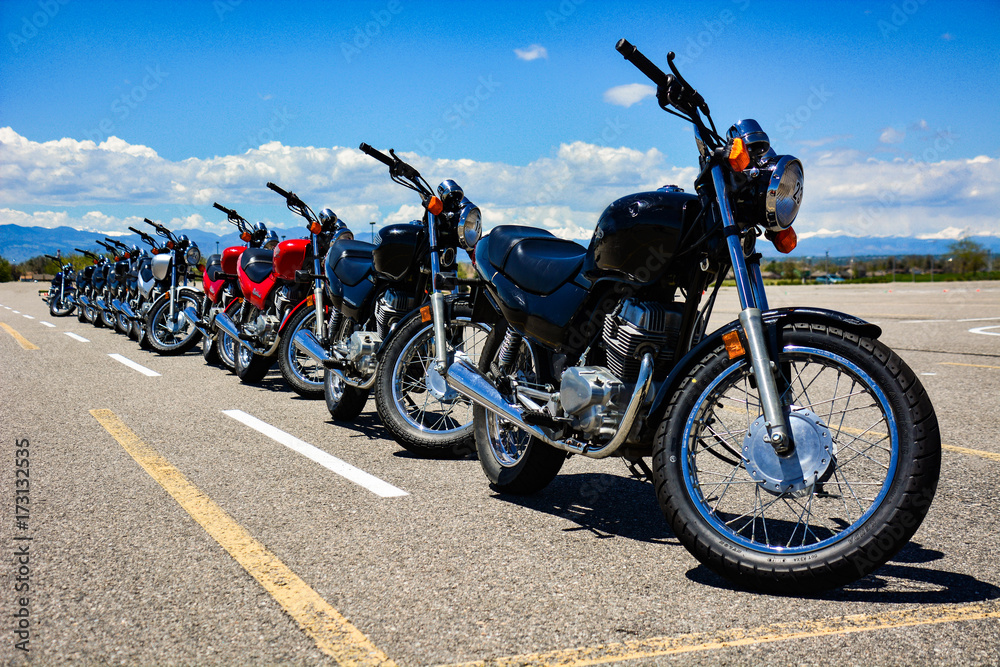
column 177, row 516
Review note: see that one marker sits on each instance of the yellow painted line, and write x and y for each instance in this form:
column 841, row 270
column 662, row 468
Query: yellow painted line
column 949, row 363
column 993, row 456
column 711, row 641
column 22, row 341
column 333, row 634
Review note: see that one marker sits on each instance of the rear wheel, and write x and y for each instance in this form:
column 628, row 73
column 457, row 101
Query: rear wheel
column 302, row 373
column 226, row 347
column 859, row 482
column 251, row 367
column 123, row 324
column 513, row 461
column 345, row 402
column 423, row 414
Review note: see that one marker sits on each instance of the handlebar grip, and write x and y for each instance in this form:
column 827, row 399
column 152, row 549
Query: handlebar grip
column 133, row 229
column 377, row 154
column 277, row 189
column 222, row 208
column 642, row 63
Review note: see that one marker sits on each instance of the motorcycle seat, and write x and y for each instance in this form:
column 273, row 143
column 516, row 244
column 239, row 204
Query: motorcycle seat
column 257, row 263
column 352, row 261
column 534, row 259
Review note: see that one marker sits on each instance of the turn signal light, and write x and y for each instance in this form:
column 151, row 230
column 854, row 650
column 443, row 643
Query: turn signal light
column 739, row 158
column 316, row 228
column 311, row 300
column 425, row 312
column 733, row 344
column 785, row 240
column 435, row 205
column 170, row 244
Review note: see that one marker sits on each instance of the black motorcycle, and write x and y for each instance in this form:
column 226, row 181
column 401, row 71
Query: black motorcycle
column 86, row 279
column 791, row 450
column 61, row 299
column 379, row 336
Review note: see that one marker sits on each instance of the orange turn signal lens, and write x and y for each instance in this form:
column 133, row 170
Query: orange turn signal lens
column 170, row 244
column 739, row 159
column 245, row 236
column 733, row 344
column 316, row 228
column 311, row 300
column 425, row 312
column 785, row 240
column 435, row 205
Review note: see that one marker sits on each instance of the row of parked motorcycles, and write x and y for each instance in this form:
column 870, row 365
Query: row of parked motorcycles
column 789, row 449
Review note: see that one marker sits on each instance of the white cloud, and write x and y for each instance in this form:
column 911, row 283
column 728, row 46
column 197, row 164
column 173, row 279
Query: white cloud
column 565, row 192
column 533, row 52
column 891, row 135
column 629, row 94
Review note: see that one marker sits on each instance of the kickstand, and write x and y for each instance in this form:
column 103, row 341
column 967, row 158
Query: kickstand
column 640, row 470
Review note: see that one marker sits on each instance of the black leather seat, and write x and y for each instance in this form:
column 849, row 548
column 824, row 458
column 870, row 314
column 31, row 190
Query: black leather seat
column 534, row 259
column 257, row 263
column 213, row 266
column 352, row 261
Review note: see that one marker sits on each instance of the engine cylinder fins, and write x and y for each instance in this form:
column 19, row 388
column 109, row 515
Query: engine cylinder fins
column 637, row 327
column 392, row 306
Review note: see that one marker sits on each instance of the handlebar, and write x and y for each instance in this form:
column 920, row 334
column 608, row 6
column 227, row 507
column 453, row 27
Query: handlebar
column 52, row 257
column 377, row 154
column 283, row 193
column 221, row 208
column 643, row 64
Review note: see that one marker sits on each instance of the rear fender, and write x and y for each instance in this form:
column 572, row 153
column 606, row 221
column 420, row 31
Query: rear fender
column 774, row 321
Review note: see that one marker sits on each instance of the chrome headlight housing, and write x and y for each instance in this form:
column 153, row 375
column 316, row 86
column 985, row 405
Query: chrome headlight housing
column 450, row 193
column 470, row 226
column 270, row 241
column 784, row 194
column 192, row 255
column 341, row 233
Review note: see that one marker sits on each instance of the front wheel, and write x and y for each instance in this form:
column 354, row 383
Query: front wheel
column 422, row 413
column 251, row 367
column 172, row 335
column 302, row 373
column 853, row 492
column 58, row 306
column 345, row 402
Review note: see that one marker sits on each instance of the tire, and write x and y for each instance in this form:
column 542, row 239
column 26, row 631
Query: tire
column 303, row 374
column 57, row 309
column 94, row 316
column 226, row 347
column 209, row 350
column 420, row 422
column 513, row 461
column 344, row 401
column 123, row 324
column 251, row 367
column 872, row 446
column 158, row 327
column 81, row 314
column 108, row 319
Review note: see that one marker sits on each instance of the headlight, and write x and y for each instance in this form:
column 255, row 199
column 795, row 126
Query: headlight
column 271, row 241
column 342, row 234
column 784, row 194
column 192, row 256
column 470, row 226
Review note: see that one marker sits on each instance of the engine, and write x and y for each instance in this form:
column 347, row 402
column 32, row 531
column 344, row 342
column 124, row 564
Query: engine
column 638, row 327
column 391, row 307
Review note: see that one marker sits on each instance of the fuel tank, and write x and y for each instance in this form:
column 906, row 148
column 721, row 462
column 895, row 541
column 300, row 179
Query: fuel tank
column 231, row 258
column 290, row 256
column 399, row 247
column 161, row 265
column 637, row 236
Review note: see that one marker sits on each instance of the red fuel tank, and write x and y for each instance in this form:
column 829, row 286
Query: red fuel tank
column 231, row 259
column 289, row 257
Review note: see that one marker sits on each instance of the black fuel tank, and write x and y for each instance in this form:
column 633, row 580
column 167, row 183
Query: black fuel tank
column 400, row 245
column 638, row 235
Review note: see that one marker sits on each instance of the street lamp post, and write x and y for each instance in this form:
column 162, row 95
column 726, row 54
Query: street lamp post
column 373, row 231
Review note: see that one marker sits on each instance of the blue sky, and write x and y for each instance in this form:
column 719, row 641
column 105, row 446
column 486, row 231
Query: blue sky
column 891, row 105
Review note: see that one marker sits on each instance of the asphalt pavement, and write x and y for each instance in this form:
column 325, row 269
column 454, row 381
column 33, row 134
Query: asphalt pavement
column 177, row 516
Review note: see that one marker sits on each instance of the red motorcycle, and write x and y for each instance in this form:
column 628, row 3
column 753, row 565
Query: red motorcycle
column 278, row 301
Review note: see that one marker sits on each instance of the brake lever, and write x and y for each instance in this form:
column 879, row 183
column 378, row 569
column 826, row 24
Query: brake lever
column 695, row 98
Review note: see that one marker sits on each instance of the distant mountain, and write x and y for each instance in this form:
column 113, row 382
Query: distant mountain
column 20, row 243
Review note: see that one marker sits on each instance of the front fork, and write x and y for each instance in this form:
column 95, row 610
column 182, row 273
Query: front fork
column 437, row 299
column 753, row 302
column 320, row 326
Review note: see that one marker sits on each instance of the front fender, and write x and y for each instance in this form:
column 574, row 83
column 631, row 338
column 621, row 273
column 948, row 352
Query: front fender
column 774, row 321
column 451, row 301
column 307, row 302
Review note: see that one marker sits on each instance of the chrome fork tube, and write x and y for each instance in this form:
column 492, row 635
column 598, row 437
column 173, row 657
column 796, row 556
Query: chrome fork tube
column 751, row 292
column 320, row 328
column 437, row 298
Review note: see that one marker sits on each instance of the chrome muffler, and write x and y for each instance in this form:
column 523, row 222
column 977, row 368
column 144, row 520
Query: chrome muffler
column 225, row 323
column 468, row 381
column 306, row 342
column 191, row 315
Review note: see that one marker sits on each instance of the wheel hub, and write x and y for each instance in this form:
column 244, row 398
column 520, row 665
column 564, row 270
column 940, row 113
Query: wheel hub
column 798, row 472
column 438, row 386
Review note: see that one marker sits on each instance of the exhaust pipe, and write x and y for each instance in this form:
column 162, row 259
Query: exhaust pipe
column 85, row 300
column 467, row 380
column 191, row 315
column 69, row 300
column 225, row 323
column 100, row 304
column 127, row 309
column 305, row 341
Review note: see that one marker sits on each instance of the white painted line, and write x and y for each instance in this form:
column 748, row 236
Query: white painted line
column 980, row 319
column 76, row 337
column 928, row 373
column 131, row 364
column 7, row 307
column 17, row 312
column 48, row 324
column 923, row 321
column 356, row 475
column 28, row 316
column 983, row 331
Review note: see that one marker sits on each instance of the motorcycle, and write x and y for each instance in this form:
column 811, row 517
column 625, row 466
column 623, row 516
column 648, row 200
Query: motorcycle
column 142, row 288
column 167, row 330
column 61, row 298
column 278, row 302
column 792, row 451
column 222, row 290
column 85, row 280
column 379, row 334
column 111, row 275
column 119, row 280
